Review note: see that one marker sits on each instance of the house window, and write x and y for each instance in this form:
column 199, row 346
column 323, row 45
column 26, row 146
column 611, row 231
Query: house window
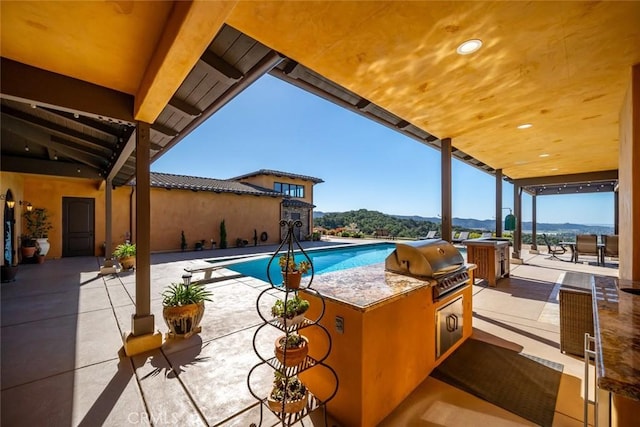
column 293, row 190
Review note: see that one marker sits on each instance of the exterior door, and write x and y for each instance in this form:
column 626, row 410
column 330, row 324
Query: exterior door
column 78, row 225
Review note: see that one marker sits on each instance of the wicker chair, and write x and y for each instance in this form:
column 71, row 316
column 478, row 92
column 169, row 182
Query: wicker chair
column 587, row 244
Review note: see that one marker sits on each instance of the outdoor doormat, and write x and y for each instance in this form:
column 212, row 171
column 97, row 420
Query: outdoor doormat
column 523, row 384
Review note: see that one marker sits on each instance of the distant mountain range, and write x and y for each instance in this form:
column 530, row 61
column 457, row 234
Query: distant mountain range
column 489, row 224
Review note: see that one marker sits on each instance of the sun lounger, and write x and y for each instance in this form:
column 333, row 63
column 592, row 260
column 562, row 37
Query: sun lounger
column 464, row 235
column 430, row 235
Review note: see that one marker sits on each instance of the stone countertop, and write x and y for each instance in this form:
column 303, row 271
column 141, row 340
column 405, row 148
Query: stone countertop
column 365, row 288
column 617, row 329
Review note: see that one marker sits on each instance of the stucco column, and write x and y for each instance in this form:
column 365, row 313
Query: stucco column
column 445, row 178
column 498, row 202
column 143, row 336
column 629, row 181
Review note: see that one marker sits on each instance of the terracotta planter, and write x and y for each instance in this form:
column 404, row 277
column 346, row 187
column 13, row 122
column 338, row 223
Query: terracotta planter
column 294, row 356
column 40, row 259
column 291, row 279
column 289, row 406
column 28, row 251
column 183, row 321
column 128, row 262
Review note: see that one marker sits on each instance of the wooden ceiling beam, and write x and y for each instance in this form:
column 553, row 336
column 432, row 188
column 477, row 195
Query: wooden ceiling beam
column 14, row 116
column 95, row 125
column 566, row 179
column 48, row 167
column 220, row 68
column 164, row 130
column 185, row 37
column 184, row 108
column 32, row 85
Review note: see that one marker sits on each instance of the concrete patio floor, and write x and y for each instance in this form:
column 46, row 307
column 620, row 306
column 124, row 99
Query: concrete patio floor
column 62, row 359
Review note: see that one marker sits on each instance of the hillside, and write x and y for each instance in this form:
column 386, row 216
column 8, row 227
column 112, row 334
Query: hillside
column 414, row 225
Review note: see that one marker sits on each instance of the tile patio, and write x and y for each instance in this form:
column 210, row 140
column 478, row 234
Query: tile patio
column 62, row 359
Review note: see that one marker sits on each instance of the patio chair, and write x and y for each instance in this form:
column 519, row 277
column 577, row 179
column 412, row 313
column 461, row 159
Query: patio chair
column 431, row 234
column 486, row 235
column 610, row 246
column 453, row 235
column 555, row 251
column 586, row 244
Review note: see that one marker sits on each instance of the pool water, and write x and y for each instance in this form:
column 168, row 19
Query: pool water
column 323, row 260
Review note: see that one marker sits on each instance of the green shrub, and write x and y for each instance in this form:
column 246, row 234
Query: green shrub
column 179, row 294
column 125, row 250
column 223, row 235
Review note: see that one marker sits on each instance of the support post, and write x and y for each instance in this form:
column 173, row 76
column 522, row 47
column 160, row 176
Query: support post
column 498, row 202
column 445, row 160
column 616, row 215
column 108, row 267
column 517, row 233
column 534, row 228
column 143, row 336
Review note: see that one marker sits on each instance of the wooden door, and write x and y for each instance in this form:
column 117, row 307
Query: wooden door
column 78, row 225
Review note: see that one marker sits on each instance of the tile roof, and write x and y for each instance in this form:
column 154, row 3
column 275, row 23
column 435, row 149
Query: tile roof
column 183, row 182
column 295, row 203
column 278, row 174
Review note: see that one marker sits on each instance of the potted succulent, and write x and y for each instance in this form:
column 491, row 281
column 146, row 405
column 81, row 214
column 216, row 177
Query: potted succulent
column 291, row 271
column 183, row 308
column 288, row 395
column 38, row 225
column 292, row 349
column 291, row 314
column 126, row 255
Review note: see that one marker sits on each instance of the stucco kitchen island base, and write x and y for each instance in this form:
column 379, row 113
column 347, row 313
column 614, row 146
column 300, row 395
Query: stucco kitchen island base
column 387, row 347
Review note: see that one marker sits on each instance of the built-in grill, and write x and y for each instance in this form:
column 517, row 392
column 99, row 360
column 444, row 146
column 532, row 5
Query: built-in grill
column 436, row 260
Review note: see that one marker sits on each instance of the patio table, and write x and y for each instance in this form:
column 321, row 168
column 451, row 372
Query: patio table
column 572, row 246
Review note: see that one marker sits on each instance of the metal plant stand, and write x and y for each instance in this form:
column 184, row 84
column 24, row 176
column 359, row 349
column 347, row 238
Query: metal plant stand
column 288, row 248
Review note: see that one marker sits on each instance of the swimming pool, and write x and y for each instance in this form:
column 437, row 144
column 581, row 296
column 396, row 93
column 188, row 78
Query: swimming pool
column 324, row 260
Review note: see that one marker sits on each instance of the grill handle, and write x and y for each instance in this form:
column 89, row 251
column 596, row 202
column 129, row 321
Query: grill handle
column 452, row 322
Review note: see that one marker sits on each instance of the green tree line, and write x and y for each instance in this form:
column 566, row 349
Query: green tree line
column 368, row 222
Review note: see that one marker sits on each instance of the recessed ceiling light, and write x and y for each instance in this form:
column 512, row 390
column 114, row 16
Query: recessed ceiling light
column 544, row 155
column 469, row 46
column 554, row 169
column 525, row 126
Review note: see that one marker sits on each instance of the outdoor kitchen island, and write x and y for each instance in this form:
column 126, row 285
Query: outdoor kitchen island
column 383, row 337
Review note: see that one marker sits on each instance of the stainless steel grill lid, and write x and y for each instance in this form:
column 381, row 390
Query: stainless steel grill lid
column 424, row 259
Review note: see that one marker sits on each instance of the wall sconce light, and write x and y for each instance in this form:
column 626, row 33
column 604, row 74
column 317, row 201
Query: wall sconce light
column 10, row 202
column 509, row 221
column 29, row 206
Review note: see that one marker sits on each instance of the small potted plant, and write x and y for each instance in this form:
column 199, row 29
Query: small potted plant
column 288, row 395
column 183, row 308
column 27, row 247
column 126, row 255
column 38, row 225
column 291, row 271
column 293, row 313
column 292, row 349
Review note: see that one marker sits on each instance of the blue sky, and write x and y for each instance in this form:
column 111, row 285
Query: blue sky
column 274, row 125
